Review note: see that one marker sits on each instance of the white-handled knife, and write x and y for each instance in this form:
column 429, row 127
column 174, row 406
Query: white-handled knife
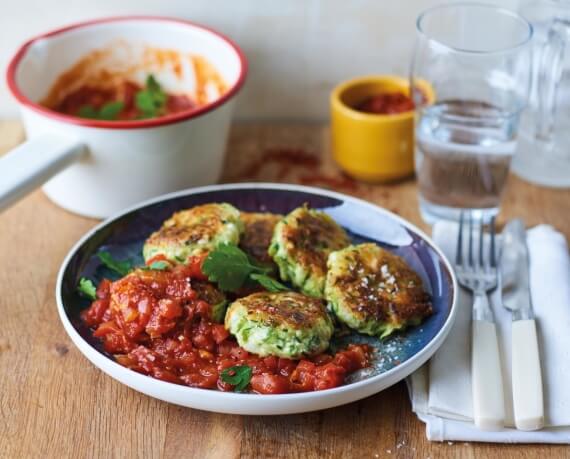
column 526, row 373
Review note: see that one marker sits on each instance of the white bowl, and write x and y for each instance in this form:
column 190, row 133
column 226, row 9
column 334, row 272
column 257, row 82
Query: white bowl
column 113, row 164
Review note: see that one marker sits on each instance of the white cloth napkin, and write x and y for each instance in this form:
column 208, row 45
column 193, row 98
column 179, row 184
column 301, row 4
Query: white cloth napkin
column 440, row 391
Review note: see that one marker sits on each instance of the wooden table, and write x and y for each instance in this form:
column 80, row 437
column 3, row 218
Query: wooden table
column 55, row 404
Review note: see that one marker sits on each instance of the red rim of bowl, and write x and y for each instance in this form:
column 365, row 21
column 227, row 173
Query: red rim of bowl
column 136, row 124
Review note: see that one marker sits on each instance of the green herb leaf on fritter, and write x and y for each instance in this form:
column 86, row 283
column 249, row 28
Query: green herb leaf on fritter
column 87, row 288
column 268, row 283
column 152, row 99
column 230, row 267
column 238, row 376
column 120, row 267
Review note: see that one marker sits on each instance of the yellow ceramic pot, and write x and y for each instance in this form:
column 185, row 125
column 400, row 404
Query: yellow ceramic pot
column 371, row 147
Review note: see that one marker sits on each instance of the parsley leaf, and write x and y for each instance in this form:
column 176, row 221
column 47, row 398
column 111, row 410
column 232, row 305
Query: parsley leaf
column 87, row 288
column 230, row 267
column 145, row 104
column 151, row 100
column 152, row 85
column 238, row 376
column 87, row 111
column 110, row 111
column 120, row 267
column 270, row 284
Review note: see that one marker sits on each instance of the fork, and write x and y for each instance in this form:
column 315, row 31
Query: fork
column 478, row 273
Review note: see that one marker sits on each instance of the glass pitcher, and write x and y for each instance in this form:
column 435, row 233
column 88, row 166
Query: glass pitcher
column 543, row 154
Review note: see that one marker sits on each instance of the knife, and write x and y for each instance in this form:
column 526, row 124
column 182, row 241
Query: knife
column 526, row 374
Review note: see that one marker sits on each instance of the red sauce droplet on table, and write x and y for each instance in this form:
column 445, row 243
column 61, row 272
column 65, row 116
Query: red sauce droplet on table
column 290, row 159
column 287, row 158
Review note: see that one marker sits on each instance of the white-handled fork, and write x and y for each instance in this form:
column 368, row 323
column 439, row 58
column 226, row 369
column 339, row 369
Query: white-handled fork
column 478, row 273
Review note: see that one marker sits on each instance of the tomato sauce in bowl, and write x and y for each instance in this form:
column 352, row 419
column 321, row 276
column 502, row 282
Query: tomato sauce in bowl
column 128, row 81
column 158, row 324
column 388, row 103
column 91, row 102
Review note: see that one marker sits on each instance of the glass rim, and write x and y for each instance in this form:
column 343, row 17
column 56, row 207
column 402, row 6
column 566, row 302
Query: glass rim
column 504, row 11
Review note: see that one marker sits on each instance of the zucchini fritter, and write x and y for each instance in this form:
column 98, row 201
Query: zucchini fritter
column 258, row 231
column 194, row 231
column 287, row 324
column 301, row 244
column 374, row 291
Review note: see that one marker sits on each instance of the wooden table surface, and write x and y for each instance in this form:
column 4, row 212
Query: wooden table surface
column 55, row 404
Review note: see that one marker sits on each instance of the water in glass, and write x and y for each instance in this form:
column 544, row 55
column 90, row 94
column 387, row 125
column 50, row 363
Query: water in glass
column 464, row 150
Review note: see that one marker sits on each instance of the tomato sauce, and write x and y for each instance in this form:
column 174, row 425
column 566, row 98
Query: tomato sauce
column 388, row 103
column 158, row 323
column 124, row 92
column 105, row 83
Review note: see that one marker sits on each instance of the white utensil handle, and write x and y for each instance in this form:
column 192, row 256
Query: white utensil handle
column 34, row 162
column 486, row 377
column 527, row 379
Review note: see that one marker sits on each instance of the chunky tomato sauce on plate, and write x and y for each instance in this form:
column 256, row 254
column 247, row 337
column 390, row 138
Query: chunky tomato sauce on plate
column 157, row 323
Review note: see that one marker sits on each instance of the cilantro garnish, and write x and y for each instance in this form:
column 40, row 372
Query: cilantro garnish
column 88, row 111
column 151, row 101
column 110, row 111
column 268, row 283
column 238, row 376
column 230, row 267
column 87, row 288
column 120, row 267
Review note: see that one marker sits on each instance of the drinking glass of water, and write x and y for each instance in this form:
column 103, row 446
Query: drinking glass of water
column 477, row 59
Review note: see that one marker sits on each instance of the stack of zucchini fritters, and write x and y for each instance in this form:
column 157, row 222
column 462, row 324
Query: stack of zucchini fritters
column 366, row 288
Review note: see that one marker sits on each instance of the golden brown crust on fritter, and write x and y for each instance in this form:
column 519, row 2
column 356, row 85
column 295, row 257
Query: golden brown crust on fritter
column 400, row 299
column 314, row 239
column 193, row 232
column 379, row 285
column 291, row 308
column 257, row 234
column 189, row 226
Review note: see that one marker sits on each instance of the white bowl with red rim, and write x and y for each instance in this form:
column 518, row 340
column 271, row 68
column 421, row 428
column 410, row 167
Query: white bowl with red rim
column 97, row 167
